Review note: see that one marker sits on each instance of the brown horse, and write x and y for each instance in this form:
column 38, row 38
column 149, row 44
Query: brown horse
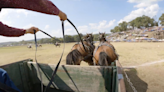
column 78, row 53
column 105, row 53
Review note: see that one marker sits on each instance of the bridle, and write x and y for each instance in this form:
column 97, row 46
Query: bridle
column 56, row 68
column 102, row 37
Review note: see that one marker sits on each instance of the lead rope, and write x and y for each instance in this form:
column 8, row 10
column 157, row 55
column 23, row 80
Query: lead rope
column 77, row 33
column 37, row 62
column 54, row 72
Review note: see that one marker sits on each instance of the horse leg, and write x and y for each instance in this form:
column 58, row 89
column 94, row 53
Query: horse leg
column 89, row 60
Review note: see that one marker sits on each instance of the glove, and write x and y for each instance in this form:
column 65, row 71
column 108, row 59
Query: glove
column 62, row 15
column 31, row 30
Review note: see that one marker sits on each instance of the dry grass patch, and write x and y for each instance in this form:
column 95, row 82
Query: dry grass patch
column 147, row 78
column 130, row 53
column 139, row 53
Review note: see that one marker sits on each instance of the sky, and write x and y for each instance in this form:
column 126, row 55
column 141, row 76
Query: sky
column 89, row 16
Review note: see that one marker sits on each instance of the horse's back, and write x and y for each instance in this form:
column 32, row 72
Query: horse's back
column 110, row 51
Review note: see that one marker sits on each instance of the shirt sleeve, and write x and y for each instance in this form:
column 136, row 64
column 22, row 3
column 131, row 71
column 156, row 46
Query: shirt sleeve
column 43, row 6
column 10, row 31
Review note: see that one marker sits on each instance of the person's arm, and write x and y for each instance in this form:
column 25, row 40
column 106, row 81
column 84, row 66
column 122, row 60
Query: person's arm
column 10, row 31
column 43, row 6
column 15, row 32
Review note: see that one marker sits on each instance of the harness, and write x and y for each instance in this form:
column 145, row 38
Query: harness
column 88, row 48
column 105, row 44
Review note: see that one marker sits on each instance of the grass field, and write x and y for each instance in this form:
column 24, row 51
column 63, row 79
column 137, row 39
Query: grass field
column 130, row 53
column 145, row 79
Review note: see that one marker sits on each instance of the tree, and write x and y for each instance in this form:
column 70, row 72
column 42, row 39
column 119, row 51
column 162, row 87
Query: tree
column 112, row 30
column 41, row 41
column 162, row 19
column 76, row 37
column 123, row 26
column 69, row 38
column 117, row 29
column 132, row 24
column 96, row 37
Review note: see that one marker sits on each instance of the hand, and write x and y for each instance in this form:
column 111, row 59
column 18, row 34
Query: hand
column 31, row 30
column 62, row 15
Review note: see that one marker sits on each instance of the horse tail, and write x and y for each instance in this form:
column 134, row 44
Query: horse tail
column 104, row 59
column 74, row 58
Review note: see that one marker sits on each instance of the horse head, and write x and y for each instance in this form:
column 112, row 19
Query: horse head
column 89, row 38
column 102, row 37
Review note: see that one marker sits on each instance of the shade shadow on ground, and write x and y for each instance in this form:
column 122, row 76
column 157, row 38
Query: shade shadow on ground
column 138, row 83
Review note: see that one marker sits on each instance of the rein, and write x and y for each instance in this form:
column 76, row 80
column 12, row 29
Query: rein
column 56, row 68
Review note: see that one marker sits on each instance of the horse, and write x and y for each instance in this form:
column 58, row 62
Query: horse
column 39, row 45
column 57, row 44
column 78, row 53
column 104, row 54
column 30, row 47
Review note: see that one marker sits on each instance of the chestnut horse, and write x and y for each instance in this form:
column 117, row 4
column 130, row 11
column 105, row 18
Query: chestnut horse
column 78, row 53
column 105, row 53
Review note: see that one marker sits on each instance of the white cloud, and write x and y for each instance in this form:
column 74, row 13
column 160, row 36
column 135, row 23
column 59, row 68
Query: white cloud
column 69, row 30
column 141, row 5
column 46, row 27
column 102, row 24
column 90, row 28
column 56, row 33
column 145, row 1
column 26, row 12
column 28, row 26
column 6, row 14
column 145, row 7
column 83, row 29
column 67, row 24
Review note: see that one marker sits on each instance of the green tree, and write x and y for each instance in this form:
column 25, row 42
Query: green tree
column 69, row 38
column 132, row 24
column 123, row 26
column 162, row 19
column 76, row 37
column 117, row 29
column 112, row 30
column 96, row 37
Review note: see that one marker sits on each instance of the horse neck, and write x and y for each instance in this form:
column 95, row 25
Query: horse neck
column 85, row 42
column 103, row 40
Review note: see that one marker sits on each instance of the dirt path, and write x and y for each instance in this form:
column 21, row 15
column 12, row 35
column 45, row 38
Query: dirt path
column 145, row 64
